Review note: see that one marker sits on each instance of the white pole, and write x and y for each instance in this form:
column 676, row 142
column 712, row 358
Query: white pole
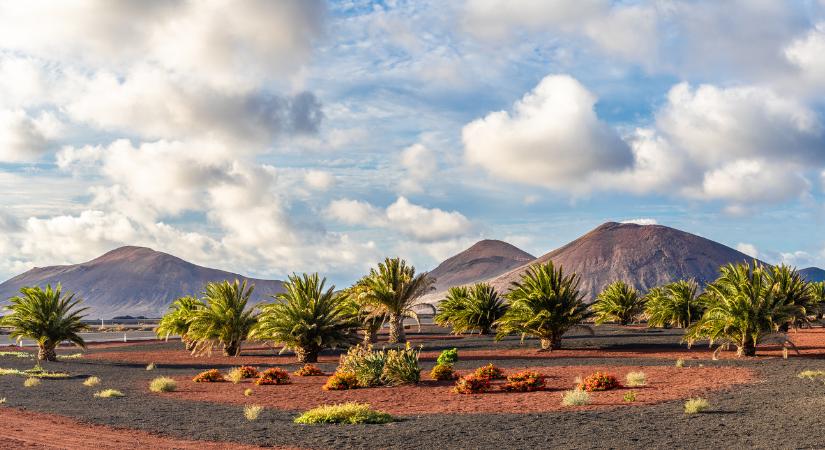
column 124, row 337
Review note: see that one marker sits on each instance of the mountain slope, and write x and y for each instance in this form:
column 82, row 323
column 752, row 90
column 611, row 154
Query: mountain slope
column 131, row 281
column 813, row 274
column 484, row 259
column 642, row 255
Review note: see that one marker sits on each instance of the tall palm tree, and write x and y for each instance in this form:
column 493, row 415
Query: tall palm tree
column 544, row 304
column 392, row 288
column 47, row 316
column 674, row 305
column 618, row 302
column 744, row 308
column 370, row 318
column 307, row 318
column 471, row 309
column 225, row 320
column 178, row 319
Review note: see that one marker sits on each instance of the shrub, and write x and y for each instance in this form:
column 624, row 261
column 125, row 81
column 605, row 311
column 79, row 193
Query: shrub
column 599, row 381
column 251, row 412
column 163, row 384
column 401, row 366
column 576, row 397
column 811, row 374
column 680, row 363
column 308, row 370
column 340, row 381
column 490, row 372
column 635, row 379
column 696, row 405
column 369, row 368
column 472, row 384
column 209, row 376
column 247, row 392
column 275, row 375
column 525, row 381
column 443, row 372
column 151, row 366
column 91, row 381
column 630, row 397
column 31, row 382
column 109, row 393
column 448, row 357
column 347, row 413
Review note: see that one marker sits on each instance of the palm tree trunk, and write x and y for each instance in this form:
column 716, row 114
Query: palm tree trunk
column 397, row 335
column 45, row 352
column 370, row 336
column 550, row 343
column 232, row 348
column 748, row 347
column 306, row 354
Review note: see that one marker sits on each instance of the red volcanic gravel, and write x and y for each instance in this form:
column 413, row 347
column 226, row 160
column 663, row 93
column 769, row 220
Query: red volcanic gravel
column 430, row 397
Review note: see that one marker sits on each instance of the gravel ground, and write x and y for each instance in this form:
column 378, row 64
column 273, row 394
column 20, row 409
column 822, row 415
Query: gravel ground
column 780, row 411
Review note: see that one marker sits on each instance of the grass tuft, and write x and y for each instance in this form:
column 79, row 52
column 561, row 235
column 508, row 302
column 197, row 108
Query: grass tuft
column 251, row 412
column 72, row 356
column 346, row 413
column 18, row 354
column 247, row 392
column 696, row 405
column 11, row 372
column 150, row 366
column 163, row 384
column 636, row 379
column 31, row 382
column 811, row 374
column 576, row 397
column 680, row 362
column 630, row 397
column 2, row 400
column 91, row 381
column 109, row 393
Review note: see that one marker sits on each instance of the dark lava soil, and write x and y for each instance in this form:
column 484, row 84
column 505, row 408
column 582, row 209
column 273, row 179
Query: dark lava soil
column 779, row 411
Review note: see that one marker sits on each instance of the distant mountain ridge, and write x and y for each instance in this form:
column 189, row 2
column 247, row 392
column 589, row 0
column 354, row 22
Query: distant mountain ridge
column 813, row 274
column 644, row 256
column 131, row 281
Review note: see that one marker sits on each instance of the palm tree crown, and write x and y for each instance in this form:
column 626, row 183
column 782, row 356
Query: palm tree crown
column 48, row 316
column 618, row 302
column 545, row 304
column 471, row 309
column 178, row 319
column 674, row 305
column 307, row 318
column 225, row 320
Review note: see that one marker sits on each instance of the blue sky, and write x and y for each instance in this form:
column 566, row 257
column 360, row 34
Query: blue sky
column 272, row 137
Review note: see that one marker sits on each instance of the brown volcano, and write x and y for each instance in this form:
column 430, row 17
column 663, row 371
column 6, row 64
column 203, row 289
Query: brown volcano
column 642, row 255
column 131, row 281
column 484, row 259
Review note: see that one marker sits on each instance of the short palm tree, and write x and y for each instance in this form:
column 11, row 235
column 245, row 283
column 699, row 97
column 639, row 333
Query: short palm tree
column 471, row 309
column 308, row 318
column 370, row 318
column 47, row 316
column 675, row 304
column 618, row 302
column 178, row 319
column 392, row 289
column 818, row 297
column 743, row 308
column 790, row 286
column 225, row 321
column 544, row 304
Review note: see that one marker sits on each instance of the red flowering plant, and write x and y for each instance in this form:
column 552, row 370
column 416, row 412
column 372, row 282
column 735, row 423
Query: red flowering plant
column 524, row 381
column 308, row 370
column 599, row 381
column 472, row 384
column 340, row 381
column 209, row 376
column 275, row 375
column 490, row 372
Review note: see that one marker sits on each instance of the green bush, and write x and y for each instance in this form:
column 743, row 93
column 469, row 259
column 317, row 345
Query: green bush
column 369, row 368
column 443, row 372
column 448, row 357
column 162, row 384
column 401, row 367
column 346, row 413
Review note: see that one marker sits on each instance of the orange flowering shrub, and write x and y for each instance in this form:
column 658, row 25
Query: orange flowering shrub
column 443, row 372
column 472, row 384
column 490, row 372
column 599, row 381
column 247, row 372
column 276, row 375
column 340, row 381
column 524, row 381
column 209, row 376
column 308, row 370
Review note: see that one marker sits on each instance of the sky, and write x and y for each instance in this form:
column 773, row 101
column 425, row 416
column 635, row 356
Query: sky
column 267, row 138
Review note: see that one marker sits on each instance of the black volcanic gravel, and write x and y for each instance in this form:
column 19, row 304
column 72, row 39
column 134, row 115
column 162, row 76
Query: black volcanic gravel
column 780, row 411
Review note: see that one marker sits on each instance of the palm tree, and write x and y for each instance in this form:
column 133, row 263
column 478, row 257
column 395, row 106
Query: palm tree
column 370, row 318
column 47, row 316
column 307, row 318
column 618, row 302
column 744, row 307
column 225, row 320
column 790, row 286
column 674, row 305
column 178, row 319
column 392, row 288
column 468, row 309
column 818, row 297
column 544, row 304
